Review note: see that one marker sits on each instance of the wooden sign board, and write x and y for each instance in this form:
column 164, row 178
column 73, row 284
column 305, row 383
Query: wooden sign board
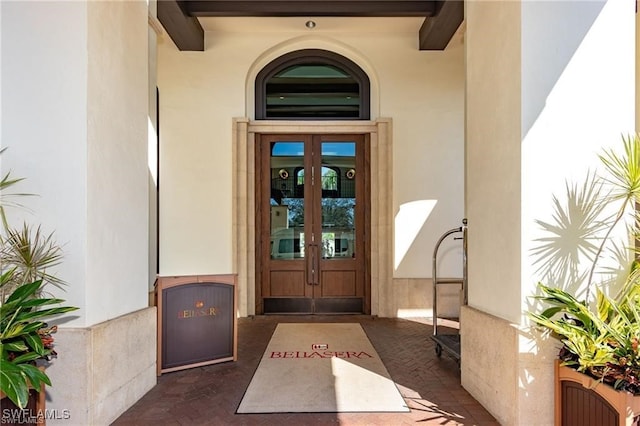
column 196, row 321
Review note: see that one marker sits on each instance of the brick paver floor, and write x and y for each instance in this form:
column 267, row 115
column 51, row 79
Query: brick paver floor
column 210, row 395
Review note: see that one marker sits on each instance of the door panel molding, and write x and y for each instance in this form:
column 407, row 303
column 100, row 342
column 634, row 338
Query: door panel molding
column 344, row 283
column 378, row 298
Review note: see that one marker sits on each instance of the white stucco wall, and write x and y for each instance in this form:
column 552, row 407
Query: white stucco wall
column 493, row 154
column 581, row 101
column 81, row 146
column 152, row 138
column 75, row 105
column 553, row 104
column 1, row 83
column 45, row 125
column 200, row 93
column 117, row 203
column 566, row 72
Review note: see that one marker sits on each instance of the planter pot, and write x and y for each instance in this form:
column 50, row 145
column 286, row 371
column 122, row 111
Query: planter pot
column 581, row 400
column 33, row 413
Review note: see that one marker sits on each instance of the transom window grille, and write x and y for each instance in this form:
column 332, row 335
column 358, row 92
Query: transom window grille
column 312, row 84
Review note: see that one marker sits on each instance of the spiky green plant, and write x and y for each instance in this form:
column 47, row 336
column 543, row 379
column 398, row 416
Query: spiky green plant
column 32, row 253
column 28, row 250
column 601, row 340
column 8, row 199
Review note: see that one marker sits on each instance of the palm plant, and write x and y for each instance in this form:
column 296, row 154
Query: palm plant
column 30, row 252
column 7, row 199
column 600, row 339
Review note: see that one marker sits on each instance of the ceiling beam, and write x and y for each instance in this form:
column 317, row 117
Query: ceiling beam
column 180, row 17
column 206, row 8
column 185, row 31
column 437, row 30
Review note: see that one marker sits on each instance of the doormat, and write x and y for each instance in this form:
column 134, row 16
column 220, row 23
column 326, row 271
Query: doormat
column 321, row 368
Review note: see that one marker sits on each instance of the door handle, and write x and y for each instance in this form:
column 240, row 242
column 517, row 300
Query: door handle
column 312, row 264
column 309, row 265
column 316, row 265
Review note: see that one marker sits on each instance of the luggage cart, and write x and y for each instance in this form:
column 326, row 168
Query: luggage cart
column 449, row 342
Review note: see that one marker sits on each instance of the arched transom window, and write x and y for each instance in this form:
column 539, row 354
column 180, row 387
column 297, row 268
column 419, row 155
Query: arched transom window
column 312, row 84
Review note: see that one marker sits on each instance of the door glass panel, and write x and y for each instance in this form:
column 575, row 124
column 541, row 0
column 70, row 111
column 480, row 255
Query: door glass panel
column 338, row 181
column 287, row 200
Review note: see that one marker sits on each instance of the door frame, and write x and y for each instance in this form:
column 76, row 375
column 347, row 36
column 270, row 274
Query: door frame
column 378, row 133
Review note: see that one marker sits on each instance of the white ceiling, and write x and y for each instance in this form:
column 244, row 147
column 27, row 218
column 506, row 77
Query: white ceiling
column 323, row 24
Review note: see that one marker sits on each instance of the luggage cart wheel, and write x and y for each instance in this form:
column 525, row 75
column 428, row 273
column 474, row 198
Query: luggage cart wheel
column 438, row 350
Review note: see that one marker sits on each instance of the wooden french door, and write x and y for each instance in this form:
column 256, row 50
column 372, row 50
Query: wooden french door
column 312, row 218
